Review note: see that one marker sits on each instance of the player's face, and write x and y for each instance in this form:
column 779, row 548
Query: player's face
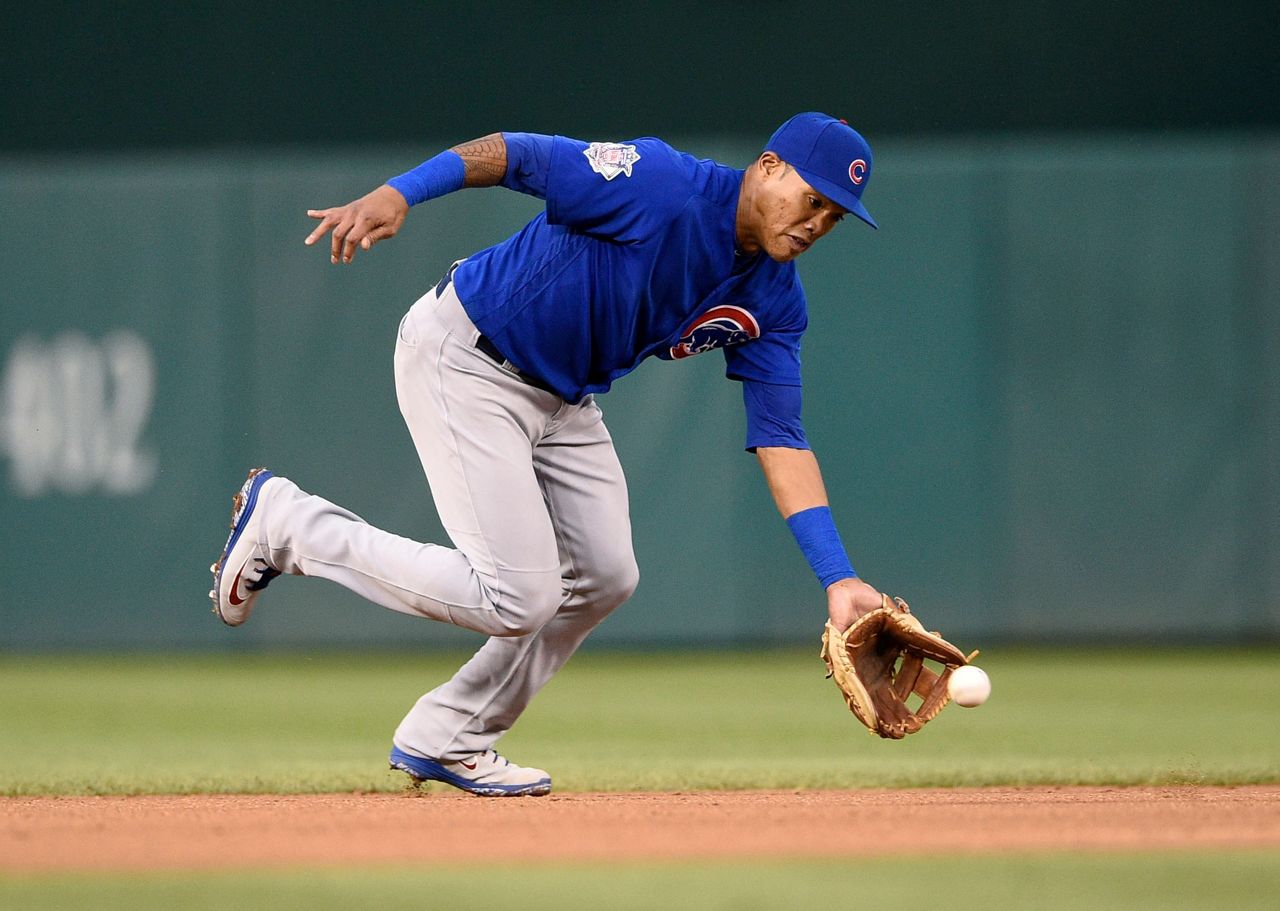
column 790, row 215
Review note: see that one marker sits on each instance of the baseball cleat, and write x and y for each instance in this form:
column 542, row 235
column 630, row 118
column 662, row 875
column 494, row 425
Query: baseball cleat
column 235, row 591
column 487, row 774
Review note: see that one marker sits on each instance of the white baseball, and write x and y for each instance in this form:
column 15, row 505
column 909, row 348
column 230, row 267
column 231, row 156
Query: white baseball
column 969, row 686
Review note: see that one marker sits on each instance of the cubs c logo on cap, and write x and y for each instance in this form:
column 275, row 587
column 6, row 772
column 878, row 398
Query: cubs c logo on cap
column 858, row 171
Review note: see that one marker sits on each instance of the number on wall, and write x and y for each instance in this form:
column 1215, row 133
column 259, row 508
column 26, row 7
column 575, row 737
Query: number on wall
column 72, row 414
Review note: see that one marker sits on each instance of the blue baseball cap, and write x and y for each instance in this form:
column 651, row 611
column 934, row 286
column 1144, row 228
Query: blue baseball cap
column 830, row 155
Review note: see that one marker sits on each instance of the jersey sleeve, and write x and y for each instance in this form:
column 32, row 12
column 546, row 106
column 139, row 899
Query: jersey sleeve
column 528, row 163
column 773, row 415
column 774, row 357
column 623, row 191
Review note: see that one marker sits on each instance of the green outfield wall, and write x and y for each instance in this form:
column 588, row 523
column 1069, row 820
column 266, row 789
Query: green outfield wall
column 1046, row 396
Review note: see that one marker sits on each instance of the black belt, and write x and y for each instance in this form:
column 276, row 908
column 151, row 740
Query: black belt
column 490, row 350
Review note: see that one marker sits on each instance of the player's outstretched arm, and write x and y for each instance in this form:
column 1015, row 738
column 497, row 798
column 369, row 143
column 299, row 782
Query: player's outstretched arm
column 379, row 214
column 795, row 481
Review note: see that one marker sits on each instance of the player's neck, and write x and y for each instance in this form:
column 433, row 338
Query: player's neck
column 745, row 242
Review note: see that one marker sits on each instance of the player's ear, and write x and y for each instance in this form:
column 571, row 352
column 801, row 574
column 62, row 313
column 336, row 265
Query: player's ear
column 769, row 163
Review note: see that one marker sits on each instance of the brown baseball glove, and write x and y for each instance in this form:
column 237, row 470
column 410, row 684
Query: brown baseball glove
column 864, row 662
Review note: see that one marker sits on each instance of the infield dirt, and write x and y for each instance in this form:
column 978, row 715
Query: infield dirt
column 227, row 831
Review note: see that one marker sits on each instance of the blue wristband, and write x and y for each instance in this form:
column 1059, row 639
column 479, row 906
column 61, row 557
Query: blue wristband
column 816, row 534
column 434, row 177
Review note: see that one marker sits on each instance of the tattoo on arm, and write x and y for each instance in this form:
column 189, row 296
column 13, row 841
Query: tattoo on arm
column 485, row 160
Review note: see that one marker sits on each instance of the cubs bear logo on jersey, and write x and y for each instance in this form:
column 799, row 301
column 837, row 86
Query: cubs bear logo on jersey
column 717, row 328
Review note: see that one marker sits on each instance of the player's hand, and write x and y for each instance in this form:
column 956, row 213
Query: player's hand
column 849, row 599
column 371, row 218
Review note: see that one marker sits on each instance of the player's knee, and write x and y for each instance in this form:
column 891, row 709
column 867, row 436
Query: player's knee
column 615, row 582
column 626, row 579
column 530, row 603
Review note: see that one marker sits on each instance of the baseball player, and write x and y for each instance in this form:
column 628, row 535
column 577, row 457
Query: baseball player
column 642, row 251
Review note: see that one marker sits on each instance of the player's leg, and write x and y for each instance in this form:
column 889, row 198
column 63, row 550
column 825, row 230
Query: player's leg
column 485, row 680
column 472, row 425
column 586, row 496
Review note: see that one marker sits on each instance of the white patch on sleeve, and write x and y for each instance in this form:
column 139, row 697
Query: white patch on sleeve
column 609, row 159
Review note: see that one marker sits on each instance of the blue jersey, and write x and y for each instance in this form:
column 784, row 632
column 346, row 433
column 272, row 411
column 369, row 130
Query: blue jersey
column 633, row 257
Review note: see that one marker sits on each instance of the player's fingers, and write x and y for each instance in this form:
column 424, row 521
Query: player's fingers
column 326, row 222
column 348, row 243
column 337, row 238
column 354, row 237
column 382, row 232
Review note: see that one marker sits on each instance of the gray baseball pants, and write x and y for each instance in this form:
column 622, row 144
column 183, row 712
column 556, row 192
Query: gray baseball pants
column 532, row 495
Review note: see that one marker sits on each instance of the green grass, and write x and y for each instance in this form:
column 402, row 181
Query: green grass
column 1241, row 881
column 297, row 723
